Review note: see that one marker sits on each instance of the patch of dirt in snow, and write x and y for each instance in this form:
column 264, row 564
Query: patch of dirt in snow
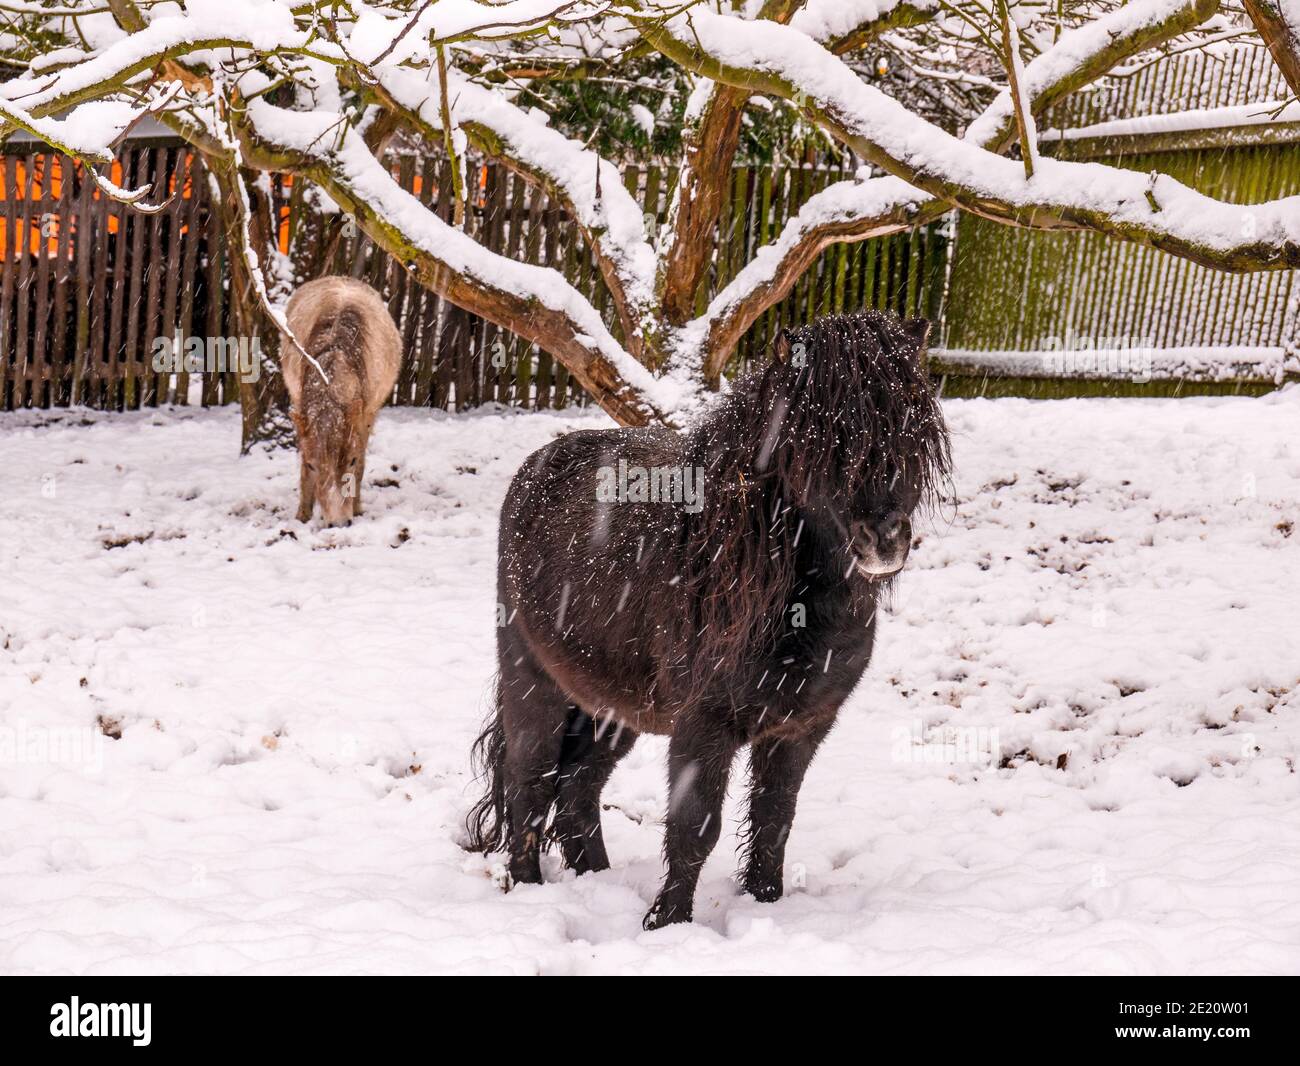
column 233, row 743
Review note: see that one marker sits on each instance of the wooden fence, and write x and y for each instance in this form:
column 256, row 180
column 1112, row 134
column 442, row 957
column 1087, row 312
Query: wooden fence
column 1018, row 294
column 90, row 286
column 1023, row 289
column 1198, row 80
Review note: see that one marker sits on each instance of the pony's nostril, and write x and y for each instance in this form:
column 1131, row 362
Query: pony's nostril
column 891, row 532
column 864, row 535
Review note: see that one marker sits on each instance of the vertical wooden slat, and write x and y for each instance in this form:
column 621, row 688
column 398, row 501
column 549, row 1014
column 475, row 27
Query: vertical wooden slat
column 84, row 237
column 97, row 355
column 174, row 176
column 115, row 289
column 427, row 344
column 188, row 223
column 773, row 221
column 412, row 301
column 8, row 276
column 56, row 364
column 446, row 313
column 492, row 364
column 213, row 386
column 532, row 250
column 23, row 295
column 45, row 222
column 152, row 267
column 550, row 252
column 137, row 268
column 570, row 241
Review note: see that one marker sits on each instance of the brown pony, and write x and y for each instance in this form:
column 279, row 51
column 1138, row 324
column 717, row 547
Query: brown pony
column 718, row 586
column 345, row 326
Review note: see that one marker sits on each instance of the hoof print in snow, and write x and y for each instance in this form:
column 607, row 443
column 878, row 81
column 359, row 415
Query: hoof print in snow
column 111, row 727
column 109, row 543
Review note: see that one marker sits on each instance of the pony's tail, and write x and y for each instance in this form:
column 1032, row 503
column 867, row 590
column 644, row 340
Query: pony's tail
column 486, row 821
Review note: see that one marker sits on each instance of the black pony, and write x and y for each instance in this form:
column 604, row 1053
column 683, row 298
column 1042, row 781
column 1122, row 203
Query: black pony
column 718, row 586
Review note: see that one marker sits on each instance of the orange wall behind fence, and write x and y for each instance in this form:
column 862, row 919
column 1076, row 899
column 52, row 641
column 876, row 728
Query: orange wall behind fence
column 48, row 169
column 43, row 180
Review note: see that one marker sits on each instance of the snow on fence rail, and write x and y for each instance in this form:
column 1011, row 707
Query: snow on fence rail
column 1200, row 80
column 1238, row 367
column 1035, row 292
column 90, row 287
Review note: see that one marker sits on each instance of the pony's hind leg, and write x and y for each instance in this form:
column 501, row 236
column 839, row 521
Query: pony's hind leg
column 534, row 713
column 588, row 756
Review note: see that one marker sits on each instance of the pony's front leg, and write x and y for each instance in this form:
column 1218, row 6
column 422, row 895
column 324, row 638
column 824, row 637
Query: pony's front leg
column 356, row 489
column 306, row 492
column 699, row 761
column 776, row 771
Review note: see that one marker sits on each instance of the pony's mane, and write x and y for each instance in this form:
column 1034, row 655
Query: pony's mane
column 845, row 408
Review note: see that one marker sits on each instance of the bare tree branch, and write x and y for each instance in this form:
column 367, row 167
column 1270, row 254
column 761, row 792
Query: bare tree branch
column 536, row 303
column 608, row 216
column 1063, row 196
column 861, row 209
column 1280, row 28
column 713, row 133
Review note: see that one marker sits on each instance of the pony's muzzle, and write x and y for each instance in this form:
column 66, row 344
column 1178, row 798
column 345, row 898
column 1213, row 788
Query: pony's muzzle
column 880, row 548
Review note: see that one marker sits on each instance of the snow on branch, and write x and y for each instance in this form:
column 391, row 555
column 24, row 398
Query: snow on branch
column 339, row 60
column 1162, row 212
column 851, row 210
column 846, row 24
column 70, row 135
column 861, row 208
column 713, row 119
column 535, row 302
column 1084, row 54
column 377, row 37
column 268, row 29
column 590, row 187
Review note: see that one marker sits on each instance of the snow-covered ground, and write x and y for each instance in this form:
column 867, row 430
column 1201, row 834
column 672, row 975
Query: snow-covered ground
column 1110, row 608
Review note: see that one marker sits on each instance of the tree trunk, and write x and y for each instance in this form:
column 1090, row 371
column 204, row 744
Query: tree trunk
column 1281, row 33
column 263, row 400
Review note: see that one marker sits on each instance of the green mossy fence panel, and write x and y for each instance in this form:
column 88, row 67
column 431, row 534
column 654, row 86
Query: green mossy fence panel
column 1024, row 290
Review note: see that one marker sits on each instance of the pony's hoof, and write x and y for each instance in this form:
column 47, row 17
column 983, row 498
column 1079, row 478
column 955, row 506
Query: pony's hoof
column 661, row 915
column 763, row 891
column 525, row 873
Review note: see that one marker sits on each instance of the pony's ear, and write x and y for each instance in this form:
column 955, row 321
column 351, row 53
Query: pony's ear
column 918, row 329
column 789, row 350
